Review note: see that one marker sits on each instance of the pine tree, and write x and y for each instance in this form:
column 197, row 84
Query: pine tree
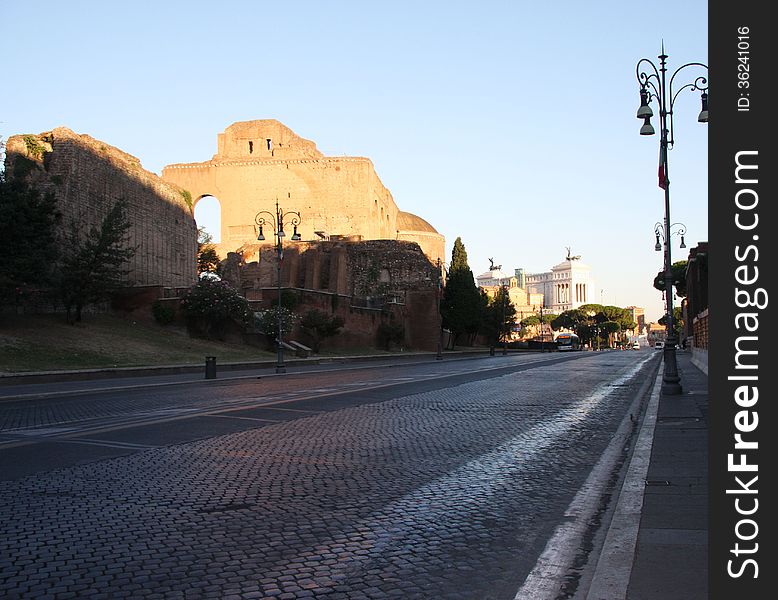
column 95, row 264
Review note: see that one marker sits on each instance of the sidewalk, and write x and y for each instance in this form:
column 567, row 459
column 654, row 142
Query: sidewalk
column 671, row 558
column 656, row 547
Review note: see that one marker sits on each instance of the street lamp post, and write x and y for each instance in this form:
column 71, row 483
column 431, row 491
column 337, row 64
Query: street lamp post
column 542, row 334
column 659, row 231
column 277, row 221
column 678, row 229
column 439, row 353
column 654, row 86
column 502, row 327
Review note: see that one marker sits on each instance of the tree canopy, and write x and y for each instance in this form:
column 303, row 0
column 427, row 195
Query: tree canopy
column 94, row 263
column 28, row 238
column 591, row 322
column 207, row 257
column 678, row 322
column 499, row 316
column 678, row 272
column 461, row 305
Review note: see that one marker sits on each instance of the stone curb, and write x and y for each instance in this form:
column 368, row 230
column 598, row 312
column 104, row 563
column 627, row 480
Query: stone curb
column 114, row 372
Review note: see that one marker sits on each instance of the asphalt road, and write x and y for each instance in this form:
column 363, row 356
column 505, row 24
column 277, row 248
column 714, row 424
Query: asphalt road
column 428, row 480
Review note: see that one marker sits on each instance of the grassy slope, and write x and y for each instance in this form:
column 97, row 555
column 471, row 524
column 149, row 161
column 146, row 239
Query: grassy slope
column 46, row 343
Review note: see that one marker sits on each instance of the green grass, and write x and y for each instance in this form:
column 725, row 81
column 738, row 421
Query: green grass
column 47, row 343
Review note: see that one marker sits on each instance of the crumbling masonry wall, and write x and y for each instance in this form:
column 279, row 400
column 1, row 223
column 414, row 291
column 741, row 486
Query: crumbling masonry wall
column 88, row 176
column 365, row 282
column 263, row 161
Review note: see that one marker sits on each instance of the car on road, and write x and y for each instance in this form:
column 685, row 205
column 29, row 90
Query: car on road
column 659, row 345
column 636, row 345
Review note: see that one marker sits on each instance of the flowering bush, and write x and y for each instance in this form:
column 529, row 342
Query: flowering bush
column 210, row 305
column 266, row 321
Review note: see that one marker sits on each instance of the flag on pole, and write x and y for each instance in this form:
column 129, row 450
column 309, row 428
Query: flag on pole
column 662, row 170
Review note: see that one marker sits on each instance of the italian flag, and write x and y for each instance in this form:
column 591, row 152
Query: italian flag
column 662, row 171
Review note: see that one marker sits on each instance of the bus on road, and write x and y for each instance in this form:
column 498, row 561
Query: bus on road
column 567, row 341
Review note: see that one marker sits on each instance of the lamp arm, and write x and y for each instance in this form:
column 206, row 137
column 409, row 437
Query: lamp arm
column 700, row 82
column 293, row 221
column 644, row 78
column 269, row 220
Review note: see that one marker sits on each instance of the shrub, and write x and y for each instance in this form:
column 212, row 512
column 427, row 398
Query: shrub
column 210, row 305
column 289, row 299
column 390, row 333
column 164, row 312
column 319, row 325
column 266, row 321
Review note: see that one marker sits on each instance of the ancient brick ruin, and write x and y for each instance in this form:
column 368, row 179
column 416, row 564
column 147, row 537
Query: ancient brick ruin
column 259, row 162
column 365, row 282
column 361, row 257
column 88, row 176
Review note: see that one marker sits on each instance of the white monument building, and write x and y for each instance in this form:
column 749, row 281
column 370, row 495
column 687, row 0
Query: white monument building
column 567, row 286
column 495, row 277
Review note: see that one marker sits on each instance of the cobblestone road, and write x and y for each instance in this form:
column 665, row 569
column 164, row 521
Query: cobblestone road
column 449, row 493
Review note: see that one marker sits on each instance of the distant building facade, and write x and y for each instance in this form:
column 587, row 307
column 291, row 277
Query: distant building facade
column 638, row 316
column 695, row 305
column 656, row 333
column 525, row 303
column 567, row 286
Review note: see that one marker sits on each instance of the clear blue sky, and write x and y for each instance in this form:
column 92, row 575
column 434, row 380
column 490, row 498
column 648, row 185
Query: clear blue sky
column 510, row 124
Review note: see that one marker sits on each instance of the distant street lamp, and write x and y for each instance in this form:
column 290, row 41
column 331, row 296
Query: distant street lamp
column 277, row 222
column 653, row 86
column 542, row 334
column 659, row 232
column 502, row 326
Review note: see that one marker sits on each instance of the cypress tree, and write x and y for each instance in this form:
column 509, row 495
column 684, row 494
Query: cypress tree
column 461, row 304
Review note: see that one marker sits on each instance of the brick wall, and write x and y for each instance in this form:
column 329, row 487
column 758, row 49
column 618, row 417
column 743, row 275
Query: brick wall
column 88, row 176
column 364, row 282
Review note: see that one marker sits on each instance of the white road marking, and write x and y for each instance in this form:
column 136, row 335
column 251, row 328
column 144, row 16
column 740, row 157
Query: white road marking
column 546, row 579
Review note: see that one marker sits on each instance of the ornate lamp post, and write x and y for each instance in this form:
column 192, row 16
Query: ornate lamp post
column 654, row 86
column 659, row 231
column 277, row 221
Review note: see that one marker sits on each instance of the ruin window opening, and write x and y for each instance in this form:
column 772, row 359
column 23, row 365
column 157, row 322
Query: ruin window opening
column 207, row 213
column 251, row 147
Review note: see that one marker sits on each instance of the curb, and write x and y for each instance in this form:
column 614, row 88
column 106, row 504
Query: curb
column 115, row 372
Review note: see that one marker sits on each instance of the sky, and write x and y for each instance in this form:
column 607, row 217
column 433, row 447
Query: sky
column 510, row 124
